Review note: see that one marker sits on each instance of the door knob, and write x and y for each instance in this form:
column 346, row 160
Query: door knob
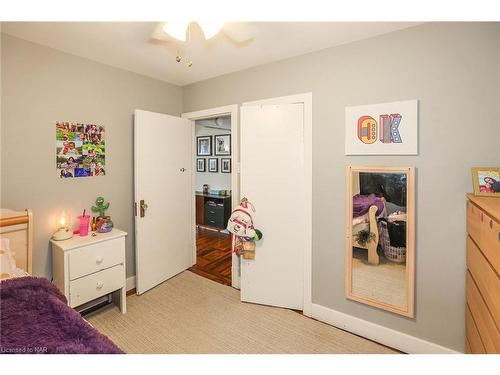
column 142, row 208
column 183, row 169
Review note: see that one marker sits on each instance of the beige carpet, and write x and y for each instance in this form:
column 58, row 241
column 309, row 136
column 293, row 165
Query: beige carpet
column 385, row 282
column 191, row 314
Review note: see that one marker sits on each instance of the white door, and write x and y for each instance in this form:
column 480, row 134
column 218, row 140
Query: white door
column 273, row 179
column 163, row 231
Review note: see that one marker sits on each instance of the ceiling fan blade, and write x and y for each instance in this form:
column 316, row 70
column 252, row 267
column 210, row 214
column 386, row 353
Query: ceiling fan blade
column 159, row 34
column 239, row 32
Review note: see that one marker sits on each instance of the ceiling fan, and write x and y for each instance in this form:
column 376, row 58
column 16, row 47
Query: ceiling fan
column 180, row 32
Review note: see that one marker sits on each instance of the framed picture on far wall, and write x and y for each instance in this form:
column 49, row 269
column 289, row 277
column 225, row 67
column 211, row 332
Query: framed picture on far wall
column 201, row 165
column 486, row 181
column 204, row 145
column 225, row 165
column 222, row 144
column 213, row 165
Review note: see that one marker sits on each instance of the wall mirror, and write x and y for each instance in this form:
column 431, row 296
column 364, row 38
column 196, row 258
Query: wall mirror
column 380, row 249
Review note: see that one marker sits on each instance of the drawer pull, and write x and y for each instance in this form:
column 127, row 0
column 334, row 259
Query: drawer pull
column 99, row 260
column 99, row 285
column 491, row 224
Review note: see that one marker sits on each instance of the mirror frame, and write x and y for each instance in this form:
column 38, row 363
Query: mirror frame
column 410, row 240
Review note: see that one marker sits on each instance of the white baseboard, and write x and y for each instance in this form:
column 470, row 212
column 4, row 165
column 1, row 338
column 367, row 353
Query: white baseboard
column 378, row 333
column 130, row 283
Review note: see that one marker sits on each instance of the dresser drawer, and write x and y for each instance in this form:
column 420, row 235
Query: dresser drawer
column 490, row 241
column 485, row 232
column 98, row 284
column 485, row 324
column 476, row 345
column 474, row 221
column 486, row 279
column 92, row 258
column 214, row 221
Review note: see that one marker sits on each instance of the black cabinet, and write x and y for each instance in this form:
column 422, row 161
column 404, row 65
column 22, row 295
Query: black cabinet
column 216, row 210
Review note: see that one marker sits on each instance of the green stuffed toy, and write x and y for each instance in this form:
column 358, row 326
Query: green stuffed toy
column 100, row 206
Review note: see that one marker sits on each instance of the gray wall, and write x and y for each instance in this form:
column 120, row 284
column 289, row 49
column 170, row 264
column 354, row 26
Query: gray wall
column 41, row 85
column 453, row 70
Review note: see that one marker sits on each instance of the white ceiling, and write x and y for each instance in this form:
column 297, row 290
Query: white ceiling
column 128, row 45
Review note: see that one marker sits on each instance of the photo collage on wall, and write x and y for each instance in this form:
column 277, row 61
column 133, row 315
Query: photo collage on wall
column 80, row 150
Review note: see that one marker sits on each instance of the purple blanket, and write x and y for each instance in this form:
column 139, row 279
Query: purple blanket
column 361, row 204
column 34, row 318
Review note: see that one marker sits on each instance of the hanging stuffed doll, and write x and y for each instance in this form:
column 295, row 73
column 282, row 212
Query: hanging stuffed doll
column 240, row 224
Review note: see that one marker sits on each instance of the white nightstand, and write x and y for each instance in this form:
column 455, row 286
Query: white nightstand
column 86, row 268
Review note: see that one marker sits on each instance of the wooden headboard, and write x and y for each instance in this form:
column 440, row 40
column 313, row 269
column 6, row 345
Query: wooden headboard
column 18, row 228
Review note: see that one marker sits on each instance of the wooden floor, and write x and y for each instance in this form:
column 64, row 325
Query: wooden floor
column 213, row 255
column 191, row 314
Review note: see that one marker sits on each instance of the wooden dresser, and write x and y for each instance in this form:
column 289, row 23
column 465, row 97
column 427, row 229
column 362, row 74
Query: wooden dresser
column 483, row 269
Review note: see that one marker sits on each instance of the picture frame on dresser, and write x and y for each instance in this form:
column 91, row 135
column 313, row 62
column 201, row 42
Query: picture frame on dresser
column 486, row 181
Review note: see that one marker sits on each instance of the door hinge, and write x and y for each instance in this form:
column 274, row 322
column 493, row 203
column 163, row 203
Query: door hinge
column 135, row 208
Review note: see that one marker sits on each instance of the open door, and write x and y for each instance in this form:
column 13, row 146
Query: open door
column 273, row 178
column 163, row 197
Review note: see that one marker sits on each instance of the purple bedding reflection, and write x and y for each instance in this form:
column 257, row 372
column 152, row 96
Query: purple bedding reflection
column 361, row 204
column 34, row 318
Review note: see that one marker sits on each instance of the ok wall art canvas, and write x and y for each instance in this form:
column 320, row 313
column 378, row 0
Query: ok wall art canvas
column 382, row 129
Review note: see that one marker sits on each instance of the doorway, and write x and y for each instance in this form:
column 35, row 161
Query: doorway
column 274, row 150
column 213, row 190
column 216, row 165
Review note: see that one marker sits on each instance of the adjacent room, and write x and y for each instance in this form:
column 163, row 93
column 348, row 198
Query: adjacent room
column 250, row 187
column 213, row 199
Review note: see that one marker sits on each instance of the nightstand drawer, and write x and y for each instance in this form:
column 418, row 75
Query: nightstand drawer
column 89, row 259
column 93, row 286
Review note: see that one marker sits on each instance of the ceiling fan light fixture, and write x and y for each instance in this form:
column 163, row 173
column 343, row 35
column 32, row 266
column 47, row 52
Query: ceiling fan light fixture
column 210, row 28
column 176, row 30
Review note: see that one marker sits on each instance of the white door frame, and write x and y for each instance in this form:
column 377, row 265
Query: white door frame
column 306, row 100
column 233, row 111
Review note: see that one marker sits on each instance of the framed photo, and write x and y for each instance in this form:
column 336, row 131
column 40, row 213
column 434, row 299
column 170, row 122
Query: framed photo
column 382, row 129
column 213, row 165
column 222, row 144
column 201, row 165
column 204, row 145
column 225, row 165
column 486, row 181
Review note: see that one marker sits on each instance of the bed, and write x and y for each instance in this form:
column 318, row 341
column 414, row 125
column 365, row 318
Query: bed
column 34, row 315
column 366, row 210
column 369, row 212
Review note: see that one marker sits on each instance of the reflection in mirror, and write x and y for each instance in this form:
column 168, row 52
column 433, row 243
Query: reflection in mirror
column 380, row 237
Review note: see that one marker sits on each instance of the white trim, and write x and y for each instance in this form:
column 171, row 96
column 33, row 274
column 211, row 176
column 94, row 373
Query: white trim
column 306, row 100
column 378, row 333
column 130, row 283
column 232, row 110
